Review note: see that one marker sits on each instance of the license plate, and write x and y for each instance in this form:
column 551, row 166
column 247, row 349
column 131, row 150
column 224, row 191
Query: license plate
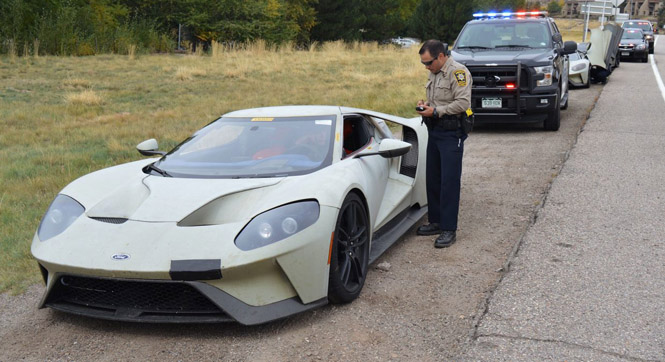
column 625, row 53
column 491, row 102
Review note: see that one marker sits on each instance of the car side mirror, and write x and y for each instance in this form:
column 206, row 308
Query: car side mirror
column 569, row 47
column 557, row 38
column 389, row 148
column 149, row 148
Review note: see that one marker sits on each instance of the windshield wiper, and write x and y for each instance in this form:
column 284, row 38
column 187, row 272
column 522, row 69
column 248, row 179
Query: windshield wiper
column 158, row 170
column 513, row 46
column 473, row 47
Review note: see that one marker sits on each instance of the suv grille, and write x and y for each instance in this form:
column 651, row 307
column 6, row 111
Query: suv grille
column 498, row 77
column 148, row 300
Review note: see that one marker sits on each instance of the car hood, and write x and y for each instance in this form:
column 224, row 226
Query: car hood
column 125, row 192
column 509, row 56
column 631, row 42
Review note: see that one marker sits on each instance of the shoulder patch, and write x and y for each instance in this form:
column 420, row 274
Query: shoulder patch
column 460, row 77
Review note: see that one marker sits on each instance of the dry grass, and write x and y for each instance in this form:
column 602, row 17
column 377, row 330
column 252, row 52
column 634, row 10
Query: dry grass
column 76, row 83
column 188, row 73
column 573, row 29
column 85, row 98
column 131, row 52
column 113, row 103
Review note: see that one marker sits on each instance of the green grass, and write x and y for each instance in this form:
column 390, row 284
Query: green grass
column 63, row 117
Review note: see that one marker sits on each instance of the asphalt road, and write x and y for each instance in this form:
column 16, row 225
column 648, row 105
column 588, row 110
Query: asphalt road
column 588, row 280
column 559, row 256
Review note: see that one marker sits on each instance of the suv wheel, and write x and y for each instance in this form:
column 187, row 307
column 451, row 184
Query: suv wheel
column 553, row 121
column 646, row 58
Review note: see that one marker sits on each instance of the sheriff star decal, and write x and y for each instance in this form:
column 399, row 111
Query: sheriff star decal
column 460, row 76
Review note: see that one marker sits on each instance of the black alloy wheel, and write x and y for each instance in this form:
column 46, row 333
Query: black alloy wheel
column 350, row 251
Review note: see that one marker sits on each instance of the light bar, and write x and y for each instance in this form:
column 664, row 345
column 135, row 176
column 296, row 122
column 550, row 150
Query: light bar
column 507, row 14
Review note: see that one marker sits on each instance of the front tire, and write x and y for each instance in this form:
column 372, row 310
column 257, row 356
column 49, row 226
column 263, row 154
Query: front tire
column 349, row 260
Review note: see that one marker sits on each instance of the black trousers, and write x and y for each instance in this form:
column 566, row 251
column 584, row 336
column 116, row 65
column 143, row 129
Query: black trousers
column 444, row 172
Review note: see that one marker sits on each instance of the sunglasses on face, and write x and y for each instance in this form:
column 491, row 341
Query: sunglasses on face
column 427, row 64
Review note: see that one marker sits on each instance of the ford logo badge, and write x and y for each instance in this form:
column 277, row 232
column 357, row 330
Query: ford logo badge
column 120, row 256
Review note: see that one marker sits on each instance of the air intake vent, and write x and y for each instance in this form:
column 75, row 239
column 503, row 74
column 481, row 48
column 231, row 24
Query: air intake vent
column 410, row 160
column 136, row 300
column 110, row 220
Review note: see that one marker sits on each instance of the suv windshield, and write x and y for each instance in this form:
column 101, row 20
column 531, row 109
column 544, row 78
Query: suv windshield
column 638, row 24
column 254, row 147
column 632, row 34
column 490, row 35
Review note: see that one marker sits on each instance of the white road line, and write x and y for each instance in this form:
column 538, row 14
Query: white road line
column 656, row 73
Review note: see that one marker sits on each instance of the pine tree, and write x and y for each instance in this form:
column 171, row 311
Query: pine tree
column 441, row 19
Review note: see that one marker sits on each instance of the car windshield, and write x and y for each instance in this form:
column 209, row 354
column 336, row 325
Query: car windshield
column 253, row 147
column 508, row 35
column 632, row 34
column 639, row 25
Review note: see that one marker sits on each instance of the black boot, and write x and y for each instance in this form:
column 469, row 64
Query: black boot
column 429, row 229
column 446, row 239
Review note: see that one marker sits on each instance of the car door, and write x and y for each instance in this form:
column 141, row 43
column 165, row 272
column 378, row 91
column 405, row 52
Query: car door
column 399, row 177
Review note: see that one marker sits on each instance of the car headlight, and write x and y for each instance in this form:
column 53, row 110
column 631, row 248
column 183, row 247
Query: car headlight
column 63, row 212
column 546, row 71
column 578, row 67
column 277, row 224
column 640, row 46
column 649, row 37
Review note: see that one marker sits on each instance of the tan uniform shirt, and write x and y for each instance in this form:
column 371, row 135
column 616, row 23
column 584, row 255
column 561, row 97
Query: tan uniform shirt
column 449, row 90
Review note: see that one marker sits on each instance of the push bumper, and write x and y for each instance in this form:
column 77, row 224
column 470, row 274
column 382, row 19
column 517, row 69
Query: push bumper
column 515, row 107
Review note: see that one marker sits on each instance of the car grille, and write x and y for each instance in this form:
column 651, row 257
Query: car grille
column 143, row 300
column 498, row 77
column 626, row 46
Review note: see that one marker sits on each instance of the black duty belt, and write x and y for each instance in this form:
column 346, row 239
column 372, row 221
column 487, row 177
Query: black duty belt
column 447, row 122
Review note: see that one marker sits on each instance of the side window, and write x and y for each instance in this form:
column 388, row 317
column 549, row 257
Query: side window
column 357, row 133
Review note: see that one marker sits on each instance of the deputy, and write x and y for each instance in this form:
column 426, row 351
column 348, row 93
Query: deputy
column 448, row 99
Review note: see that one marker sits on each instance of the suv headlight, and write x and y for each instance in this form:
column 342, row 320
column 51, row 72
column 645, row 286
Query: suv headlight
column 640, row 46
column 578, row 67
column 546, row 71
column 277, row 224
column 63, row 212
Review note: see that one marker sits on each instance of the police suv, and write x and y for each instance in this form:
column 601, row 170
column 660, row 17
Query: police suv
column 519, row 65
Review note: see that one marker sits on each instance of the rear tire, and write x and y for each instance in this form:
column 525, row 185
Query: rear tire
column 349, row 259
column 553, row 121
column 645, row 59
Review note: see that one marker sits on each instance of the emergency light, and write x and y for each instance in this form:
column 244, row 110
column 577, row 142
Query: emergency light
column 509, row 14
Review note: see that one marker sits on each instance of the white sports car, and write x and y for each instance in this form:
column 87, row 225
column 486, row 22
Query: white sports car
column 579, row 66
column 261, row 214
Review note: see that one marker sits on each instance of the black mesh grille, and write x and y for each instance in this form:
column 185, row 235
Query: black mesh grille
column 110, row 220
column 410, row 160
column 161, row 297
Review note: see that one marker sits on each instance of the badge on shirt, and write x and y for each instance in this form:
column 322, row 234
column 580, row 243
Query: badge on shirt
column 460, row 76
